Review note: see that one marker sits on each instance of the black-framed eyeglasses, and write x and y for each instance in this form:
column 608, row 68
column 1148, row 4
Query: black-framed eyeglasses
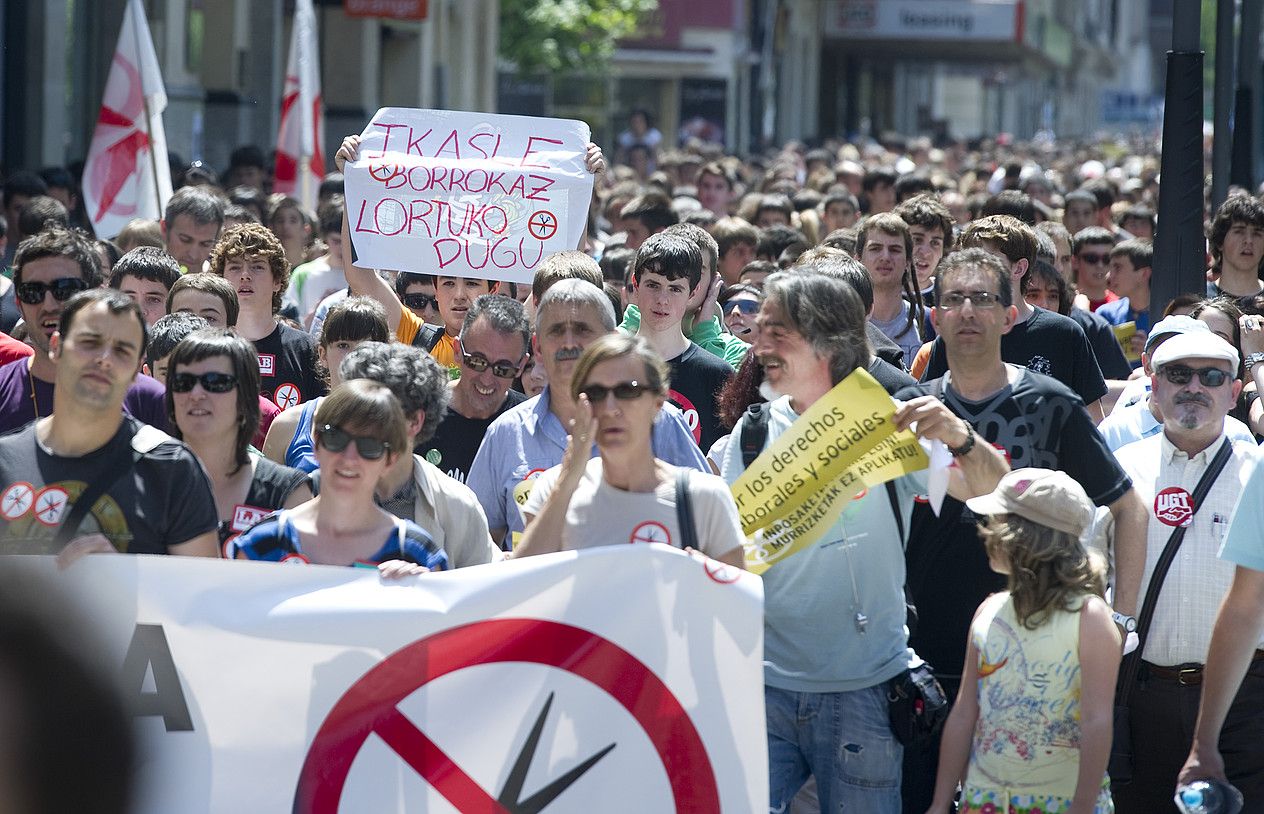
column 1209, row 376
column 420, row 301
column 504, row 369
column 336, row 439
column 211, row 382
column 63, row 288
column 623, row 391
column 951, row 300
column 747, row 307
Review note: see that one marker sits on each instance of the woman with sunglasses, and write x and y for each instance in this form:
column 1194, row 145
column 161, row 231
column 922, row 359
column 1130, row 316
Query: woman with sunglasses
column 352, row 321
column 740, row 304
column 360, row 431
column 625, row 494
column 213, row 395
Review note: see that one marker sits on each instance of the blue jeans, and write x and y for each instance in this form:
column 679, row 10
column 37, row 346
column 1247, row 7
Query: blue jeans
column 843, row 739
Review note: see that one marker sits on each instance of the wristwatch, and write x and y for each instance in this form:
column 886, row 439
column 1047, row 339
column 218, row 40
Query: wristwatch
column 967, row 445
column 1252, row 359
column 1128, row 623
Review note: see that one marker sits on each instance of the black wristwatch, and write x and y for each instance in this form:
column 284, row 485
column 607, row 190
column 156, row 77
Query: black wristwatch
column 965, row 448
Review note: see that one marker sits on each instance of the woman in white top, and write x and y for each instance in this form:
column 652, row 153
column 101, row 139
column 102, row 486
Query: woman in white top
column 625, row 494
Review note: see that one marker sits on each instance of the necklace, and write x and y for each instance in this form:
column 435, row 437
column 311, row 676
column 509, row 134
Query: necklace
column 34, row 400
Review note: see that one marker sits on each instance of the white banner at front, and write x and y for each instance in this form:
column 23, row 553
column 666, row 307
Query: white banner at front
column 467, row 194
column 622, row 679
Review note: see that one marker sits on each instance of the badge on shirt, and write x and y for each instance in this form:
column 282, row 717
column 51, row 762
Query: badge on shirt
column 246, row 516
column 650, row 532
column 523, row 490
column 267, row 364
column 1174, row 507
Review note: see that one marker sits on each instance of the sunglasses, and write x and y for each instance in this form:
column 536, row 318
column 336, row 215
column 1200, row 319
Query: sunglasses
column 747, row 307
column 951, row 300
column 211, row 382
column 478, row 363
column 63, row 289
column 335, row 439
column 420, row 301
column 1094, row 259
column 623, row 391
column 1209, row 376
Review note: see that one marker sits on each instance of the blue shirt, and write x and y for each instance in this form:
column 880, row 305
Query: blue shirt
column 1134, row 422
column 1120, row 311
column 528, row 439
column 1244, row 544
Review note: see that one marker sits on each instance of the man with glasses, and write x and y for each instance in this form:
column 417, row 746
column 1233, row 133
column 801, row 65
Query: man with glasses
column 494, row 344
column 88, row 478
column 1194, row 385
column 1090, row 259
column 48, row 269
column 1038, row 422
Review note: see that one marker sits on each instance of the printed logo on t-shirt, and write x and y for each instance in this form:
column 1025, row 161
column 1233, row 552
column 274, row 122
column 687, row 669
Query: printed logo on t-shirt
column 267, row 364
column 50, row 504
column 246, row 516
column 286, row 396
column 17, row 500
column 691, row 413
column 294, row 558
column 33, row 515
column 1174, row 507
column 650, row 532
column 1039, row 364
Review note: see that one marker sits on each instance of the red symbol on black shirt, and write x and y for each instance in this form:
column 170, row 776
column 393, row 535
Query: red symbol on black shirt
column 50, row 505
column 542, row 225
column 651, row 532
column 287, row 395
column 17, row 500
column 691, row 413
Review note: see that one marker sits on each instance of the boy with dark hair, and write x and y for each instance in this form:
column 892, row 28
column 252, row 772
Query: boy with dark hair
column 1236, row 236
column 839, row 209
column 146, row 275
column 207, row 295
column 417, row 293
column 1129, row 277
column 667, row 271
column 735, row 241
column 773, row 210
column 40, row 212
column 19, row 188
column 1090, row 258
column 647, row 214
column 878, row 188
column 1079, row 210
column 884, row 246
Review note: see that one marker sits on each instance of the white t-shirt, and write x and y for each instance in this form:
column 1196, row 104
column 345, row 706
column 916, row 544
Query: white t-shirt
column 600, row 514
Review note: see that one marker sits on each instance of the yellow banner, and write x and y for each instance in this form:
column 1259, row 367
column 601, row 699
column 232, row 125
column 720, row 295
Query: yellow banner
column 796, row 489
column 1124, row 334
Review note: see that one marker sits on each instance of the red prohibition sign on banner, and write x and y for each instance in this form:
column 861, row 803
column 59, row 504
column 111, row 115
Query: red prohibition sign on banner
column 370, row 706
column 542, row 224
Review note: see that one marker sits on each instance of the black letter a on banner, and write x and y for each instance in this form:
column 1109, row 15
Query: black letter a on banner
column 149, row 651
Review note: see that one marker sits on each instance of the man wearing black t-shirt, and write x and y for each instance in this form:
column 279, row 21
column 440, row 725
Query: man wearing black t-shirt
column 1236, row 238
column 253, row 261
column 666, row 273
column 1037, row 422
column 148, row 493
column 1039, row 340
column 492, row 347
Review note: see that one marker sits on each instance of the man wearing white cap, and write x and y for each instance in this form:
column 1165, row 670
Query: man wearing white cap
column 1136, row 415
column 1194, row 386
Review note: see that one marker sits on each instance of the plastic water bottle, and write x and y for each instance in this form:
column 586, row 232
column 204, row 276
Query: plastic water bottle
column 1208, row 797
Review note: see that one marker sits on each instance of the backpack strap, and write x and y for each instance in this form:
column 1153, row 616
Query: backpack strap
column 754, row 432
column 144, row 441
column 684, row 511
column 427, row 337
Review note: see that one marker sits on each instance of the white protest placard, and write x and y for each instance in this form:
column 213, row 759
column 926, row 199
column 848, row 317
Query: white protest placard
column 467, row 194
column 622, row 679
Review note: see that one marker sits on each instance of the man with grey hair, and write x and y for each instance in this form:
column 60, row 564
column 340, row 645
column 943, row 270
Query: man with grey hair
column 834, row 612
column 493, row 346
column 413, row 488
column 190, row 226
column 531, row 437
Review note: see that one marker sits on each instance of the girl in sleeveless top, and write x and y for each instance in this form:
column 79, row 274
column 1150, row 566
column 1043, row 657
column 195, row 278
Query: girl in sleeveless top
column 1031, row 728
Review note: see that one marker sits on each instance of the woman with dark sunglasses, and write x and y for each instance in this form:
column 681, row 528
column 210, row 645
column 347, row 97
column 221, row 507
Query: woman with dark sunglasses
column 352, row 321
column 740, row 304
column 625, row 494
column 212, row 396
column 360, row 431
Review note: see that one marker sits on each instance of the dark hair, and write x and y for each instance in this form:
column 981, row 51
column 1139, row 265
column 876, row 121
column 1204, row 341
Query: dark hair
column 111, row 249
column 1082, row 195
column 330, row 217
column 927, row 211
column 842, row 239
column 1013, row 203
column 247, row 155
column 615, row 263
column 355, row 319
column 146, row 263
column 740, row 391
column 332, row 184
column 729, row 232
column 1139, row 251
column 1091, row 235
column 776, row 239
column 168, row 331
column 652, row 209
column 775, row 202
column 23, row 183
column 1240, row 208
column 200, row 205
column 674, row 257
column 981, row 259
column 211, row 284
column 1044, row 270
column 204, row 344
column 504, row 315
column 1011, row 237
column 39, row 213
column 908, row 186
column 826, row 312
column 253, row 240
column 840, row 265
column 114, row 301
column 416, row 379
column 406, row 278
column 878, row 176
column 1181, row 301
column 889, row 223
column 366, row 406
column 706, row 244
column 58, row 242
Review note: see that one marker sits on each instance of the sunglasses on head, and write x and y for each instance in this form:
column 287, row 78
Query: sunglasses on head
column 623, row 391
column 478, row 363
column 211, row 382
column 420, row 301
column 336, row 439
column 63, row 288
column 747, row 307
column 1209, row 376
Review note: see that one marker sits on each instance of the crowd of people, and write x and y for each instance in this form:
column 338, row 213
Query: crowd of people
column 228, row 382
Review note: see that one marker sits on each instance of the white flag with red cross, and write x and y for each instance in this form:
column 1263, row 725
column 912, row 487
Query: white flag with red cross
column 126, row 175
column 299, row 159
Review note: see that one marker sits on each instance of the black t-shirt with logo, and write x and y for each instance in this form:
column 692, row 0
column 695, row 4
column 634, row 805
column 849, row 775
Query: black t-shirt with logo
column 1046, row 343
column 696, row 378
column 457, row 439
column 164, row 499
column 1036, row 421
column 287, row 367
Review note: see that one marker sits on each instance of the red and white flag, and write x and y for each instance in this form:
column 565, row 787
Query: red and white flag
column 300, row 162
column 126, row 175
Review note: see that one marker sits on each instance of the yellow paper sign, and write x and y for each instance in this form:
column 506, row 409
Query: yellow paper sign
column 1124, row 334
column 796, row 489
